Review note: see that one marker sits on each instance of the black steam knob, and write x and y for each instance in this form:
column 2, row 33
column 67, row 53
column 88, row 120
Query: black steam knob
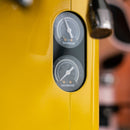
column 99, row 19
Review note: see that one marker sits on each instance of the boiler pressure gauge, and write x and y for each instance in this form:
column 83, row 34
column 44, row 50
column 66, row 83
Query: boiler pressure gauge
column 69, row 30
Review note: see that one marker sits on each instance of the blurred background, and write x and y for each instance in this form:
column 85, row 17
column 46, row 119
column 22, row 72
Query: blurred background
column 115, row 70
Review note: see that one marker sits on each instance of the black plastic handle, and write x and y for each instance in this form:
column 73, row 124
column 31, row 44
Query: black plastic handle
column 99, row 19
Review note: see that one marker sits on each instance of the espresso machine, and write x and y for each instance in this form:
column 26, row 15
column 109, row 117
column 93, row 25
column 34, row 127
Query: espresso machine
column 49, row 69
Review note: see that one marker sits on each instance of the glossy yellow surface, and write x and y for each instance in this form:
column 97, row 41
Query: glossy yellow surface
column 29, row 96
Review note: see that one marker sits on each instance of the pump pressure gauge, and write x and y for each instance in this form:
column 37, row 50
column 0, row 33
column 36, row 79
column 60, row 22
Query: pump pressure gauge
column 68, row 73
column 69, row 30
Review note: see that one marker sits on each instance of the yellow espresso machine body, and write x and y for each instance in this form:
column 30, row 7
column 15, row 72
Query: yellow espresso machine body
column 29, row 96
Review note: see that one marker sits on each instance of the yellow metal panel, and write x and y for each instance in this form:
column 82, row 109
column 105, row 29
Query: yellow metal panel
column 29, row 97
column 84, row 103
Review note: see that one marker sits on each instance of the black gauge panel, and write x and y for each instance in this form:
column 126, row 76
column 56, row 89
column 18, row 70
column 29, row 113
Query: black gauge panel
column 69, row 51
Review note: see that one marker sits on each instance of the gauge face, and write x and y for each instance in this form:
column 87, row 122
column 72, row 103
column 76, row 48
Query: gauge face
column 68, row 73
column 68, row 30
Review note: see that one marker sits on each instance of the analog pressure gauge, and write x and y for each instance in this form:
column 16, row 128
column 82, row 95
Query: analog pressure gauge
column 68, row 30
column 68, row 73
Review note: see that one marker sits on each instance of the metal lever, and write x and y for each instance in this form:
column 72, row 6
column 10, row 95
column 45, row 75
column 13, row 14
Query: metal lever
column 25, row 3
column 99, row 19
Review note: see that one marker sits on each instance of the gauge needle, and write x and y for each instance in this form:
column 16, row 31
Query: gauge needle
column 68, row 72
column 68, row 29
